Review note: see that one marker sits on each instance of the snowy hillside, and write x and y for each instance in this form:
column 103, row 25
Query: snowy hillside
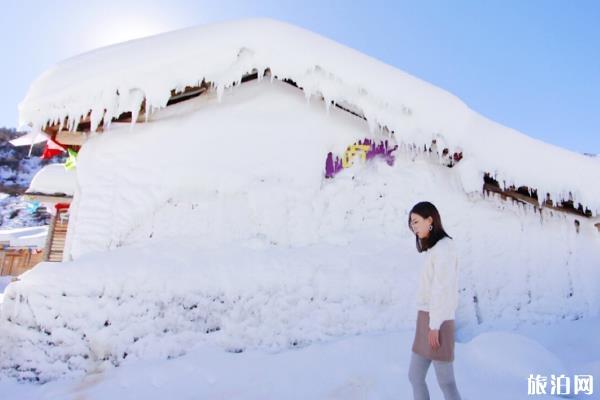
column 16, row 166
column 17, row 169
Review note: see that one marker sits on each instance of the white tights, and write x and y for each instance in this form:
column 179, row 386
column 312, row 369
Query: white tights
column 445, row 376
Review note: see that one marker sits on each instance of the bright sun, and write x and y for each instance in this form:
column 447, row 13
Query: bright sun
column 118, row 30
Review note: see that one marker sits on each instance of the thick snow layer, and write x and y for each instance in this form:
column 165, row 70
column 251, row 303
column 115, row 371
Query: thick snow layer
column 34, row 236
column 493, row 365
column 252, row 166
column 115, row 79
column 159, row 301
column 239, row 242
column 53, row 179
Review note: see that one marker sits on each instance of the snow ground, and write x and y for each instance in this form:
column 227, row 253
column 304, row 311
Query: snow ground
column 492, row 365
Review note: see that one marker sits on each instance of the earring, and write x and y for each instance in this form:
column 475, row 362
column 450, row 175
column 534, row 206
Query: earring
column 430, row 227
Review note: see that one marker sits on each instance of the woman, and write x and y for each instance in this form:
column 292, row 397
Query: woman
column 437, row 299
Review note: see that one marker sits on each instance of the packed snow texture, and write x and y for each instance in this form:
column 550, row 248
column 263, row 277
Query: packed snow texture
column 236, row 240
column 53, row 179
column 494, row 365
column 116, row 79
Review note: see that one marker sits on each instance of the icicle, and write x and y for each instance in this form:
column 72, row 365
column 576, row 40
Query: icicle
column 220, row 90
column 111, row 109
column 95, row 118
column 32, row 139
column 327, row 105
column 307, row 96
column 135, row 99
column 146, row 110
column 372, row 124
column 76, row 122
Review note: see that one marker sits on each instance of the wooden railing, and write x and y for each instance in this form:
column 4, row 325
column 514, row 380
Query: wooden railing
column 16, row 260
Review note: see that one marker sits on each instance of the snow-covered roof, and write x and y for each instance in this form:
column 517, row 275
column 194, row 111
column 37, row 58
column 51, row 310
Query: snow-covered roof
column 53, row 179
column 30, row 138
column 116, row 79
column 34, row 236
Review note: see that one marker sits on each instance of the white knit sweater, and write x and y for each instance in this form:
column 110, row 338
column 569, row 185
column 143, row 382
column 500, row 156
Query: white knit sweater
column 438, row 285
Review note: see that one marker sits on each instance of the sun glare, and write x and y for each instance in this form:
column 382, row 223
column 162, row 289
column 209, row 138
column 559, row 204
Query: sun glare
column 123, row 29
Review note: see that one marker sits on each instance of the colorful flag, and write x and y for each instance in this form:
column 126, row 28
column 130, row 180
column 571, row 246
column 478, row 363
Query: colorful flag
column 72, row 160
column 52, row 149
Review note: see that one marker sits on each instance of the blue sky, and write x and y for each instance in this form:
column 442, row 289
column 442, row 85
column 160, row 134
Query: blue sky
column 532, row 65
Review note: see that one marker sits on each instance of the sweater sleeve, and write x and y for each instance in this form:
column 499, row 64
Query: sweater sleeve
column 442, row 287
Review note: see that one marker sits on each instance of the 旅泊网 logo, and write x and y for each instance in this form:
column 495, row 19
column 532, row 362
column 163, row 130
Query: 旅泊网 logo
column 560, row 384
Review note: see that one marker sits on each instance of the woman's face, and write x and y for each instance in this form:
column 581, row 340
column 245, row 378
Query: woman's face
column 420, row 226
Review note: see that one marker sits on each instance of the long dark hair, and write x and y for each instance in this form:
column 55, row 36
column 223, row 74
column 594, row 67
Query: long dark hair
column 426, row 209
